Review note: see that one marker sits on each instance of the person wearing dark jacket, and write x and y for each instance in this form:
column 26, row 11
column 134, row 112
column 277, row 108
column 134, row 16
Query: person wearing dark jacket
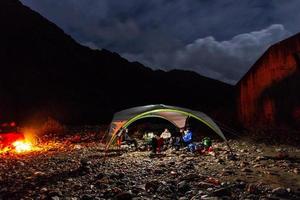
column 154, row 144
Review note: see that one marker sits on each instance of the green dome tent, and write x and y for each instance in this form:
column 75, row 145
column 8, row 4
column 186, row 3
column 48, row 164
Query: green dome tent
column 175, row 115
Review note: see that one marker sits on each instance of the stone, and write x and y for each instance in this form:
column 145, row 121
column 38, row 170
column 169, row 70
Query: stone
column 190, row 177
column 258, row 150
column 232, row 157
column 151, row 186
column 54, row 193
column 257, row 165
column 226, row 172
column 251, row 188
column 55, row 198
column 282, row 155
column 219, row 160
column 87, row 197
column 43, row 190
column 183, row 198
column 165, row 190
column 183, row 187
column 38, row 173
column 221, row 192
column 158, row 171
column 280, row 191
column 173, row 173
column 241, row 185
column 123, row 196
column 247, row 170
column 259, row 158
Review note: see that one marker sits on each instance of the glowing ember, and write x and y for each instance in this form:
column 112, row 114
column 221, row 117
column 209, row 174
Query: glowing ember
column 22, row 146
column 4, row 150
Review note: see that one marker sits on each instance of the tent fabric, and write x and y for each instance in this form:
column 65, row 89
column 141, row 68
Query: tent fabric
column 175, row 115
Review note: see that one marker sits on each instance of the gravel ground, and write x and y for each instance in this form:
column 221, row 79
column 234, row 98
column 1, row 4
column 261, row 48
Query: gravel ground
column 68, row 170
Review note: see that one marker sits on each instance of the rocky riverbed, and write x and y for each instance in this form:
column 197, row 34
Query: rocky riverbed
column 84, row 171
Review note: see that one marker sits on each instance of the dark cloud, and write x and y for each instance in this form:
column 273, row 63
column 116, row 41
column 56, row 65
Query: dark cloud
column 178, row 34
column 225, row 60
column 228, row 60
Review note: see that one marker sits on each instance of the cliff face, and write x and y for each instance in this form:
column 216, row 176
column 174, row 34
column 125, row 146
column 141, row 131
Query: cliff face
column 268, row 94
column 44, row 72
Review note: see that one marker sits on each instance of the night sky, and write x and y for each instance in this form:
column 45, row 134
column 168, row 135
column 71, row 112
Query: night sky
column 220, row 39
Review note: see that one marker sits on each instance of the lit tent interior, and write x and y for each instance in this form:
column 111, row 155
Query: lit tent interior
column 176, row 115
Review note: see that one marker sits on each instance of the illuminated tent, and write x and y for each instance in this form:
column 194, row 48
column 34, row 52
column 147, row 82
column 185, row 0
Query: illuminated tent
column 175, row 115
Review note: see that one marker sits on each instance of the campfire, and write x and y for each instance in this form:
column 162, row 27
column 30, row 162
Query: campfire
column 18, row 142
column 21, row 146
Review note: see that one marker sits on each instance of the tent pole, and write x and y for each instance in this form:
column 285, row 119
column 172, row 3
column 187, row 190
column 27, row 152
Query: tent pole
column 104, row 135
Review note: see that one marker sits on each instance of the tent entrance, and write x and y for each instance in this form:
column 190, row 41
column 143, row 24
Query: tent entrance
column 151, row 124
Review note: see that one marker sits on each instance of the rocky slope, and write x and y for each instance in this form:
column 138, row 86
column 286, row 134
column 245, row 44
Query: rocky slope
column 268, row 93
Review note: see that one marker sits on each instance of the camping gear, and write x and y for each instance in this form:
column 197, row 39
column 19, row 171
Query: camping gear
column 192, row 147
column 199, row 147
column 207, row 142
column 175, row 115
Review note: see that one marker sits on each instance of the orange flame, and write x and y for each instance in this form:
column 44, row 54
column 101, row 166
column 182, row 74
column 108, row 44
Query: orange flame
column 18, row 143
column 22, row 146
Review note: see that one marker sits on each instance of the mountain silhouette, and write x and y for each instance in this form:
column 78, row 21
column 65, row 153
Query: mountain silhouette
column 44, row 72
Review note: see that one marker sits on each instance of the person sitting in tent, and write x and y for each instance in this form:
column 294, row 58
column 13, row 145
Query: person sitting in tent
column 187, row 137
column 177, row 143
column 160, row 143
column 126, row 136
column 166, row 135
column 154, row 144
column 128, row 140
column 148, row 139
